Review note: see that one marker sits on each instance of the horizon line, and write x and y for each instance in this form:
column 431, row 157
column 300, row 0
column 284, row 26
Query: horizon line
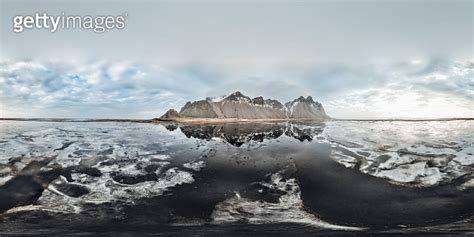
column 150, row 119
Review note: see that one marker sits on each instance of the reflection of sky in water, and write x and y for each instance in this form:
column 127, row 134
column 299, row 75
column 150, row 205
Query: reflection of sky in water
column 419, row 152
column 128, row 161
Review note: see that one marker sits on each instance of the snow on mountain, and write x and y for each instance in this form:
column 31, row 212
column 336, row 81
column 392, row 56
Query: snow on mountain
column 238, row 105
column 304, row 108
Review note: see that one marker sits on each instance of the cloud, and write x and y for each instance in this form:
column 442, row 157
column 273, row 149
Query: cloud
column 98, row 89
column 125, row 89
column 434, row 89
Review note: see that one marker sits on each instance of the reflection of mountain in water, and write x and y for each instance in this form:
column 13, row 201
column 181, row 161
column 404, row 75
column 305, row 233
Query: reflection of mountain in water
column 304, row 133
column 240, row 133
column 134, row 178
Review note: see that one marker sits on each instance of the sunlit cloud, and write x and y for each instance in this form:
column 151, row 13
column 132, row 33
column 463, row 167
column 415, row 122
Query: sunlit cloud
column 124, row 89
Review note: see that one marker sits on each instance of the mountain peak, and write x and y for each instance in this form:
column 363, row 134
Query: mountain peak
column 258, row 100
column 238, row 96
column 170, row 114
column 240, row 106
column 308, row 99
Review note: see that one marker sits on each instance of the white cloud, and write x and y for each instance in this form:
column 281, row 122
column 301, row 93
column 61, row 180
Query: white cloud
column 97, row 89
column 436, row 88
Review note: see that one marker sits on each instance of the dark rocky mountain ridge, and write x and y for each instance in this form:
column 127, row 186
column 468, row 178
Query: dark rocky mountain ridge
column 240, row 106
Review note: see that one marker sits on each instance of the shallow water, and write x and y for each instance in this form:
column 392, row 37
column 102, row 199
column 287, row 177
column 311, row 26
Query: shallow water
column 353, row 177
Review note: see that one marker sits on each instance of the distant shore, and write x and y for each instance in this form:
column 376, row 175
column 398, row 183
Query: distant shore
column 231, row 120
column 406, row 120
column 219, row 120
column 77, row 120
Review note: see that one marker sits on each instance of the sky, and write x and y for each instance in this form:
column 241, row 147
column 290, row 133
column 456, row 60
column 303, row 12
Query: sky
column 361, row 59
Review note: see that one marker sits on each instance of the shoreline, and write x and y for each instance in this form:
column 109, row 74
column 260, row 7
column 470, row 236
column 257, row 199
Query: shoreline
column 232, row 120
column 221, row 121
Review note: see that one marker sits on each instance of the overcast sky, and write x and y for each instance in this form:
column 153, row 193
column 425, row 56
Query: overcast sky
column 361, row 59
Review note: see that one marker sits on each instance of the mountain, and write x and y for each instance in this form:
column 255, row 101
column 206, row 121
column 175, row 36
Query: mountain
column 170, row 115
column 240, row 106
column 304, row 108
